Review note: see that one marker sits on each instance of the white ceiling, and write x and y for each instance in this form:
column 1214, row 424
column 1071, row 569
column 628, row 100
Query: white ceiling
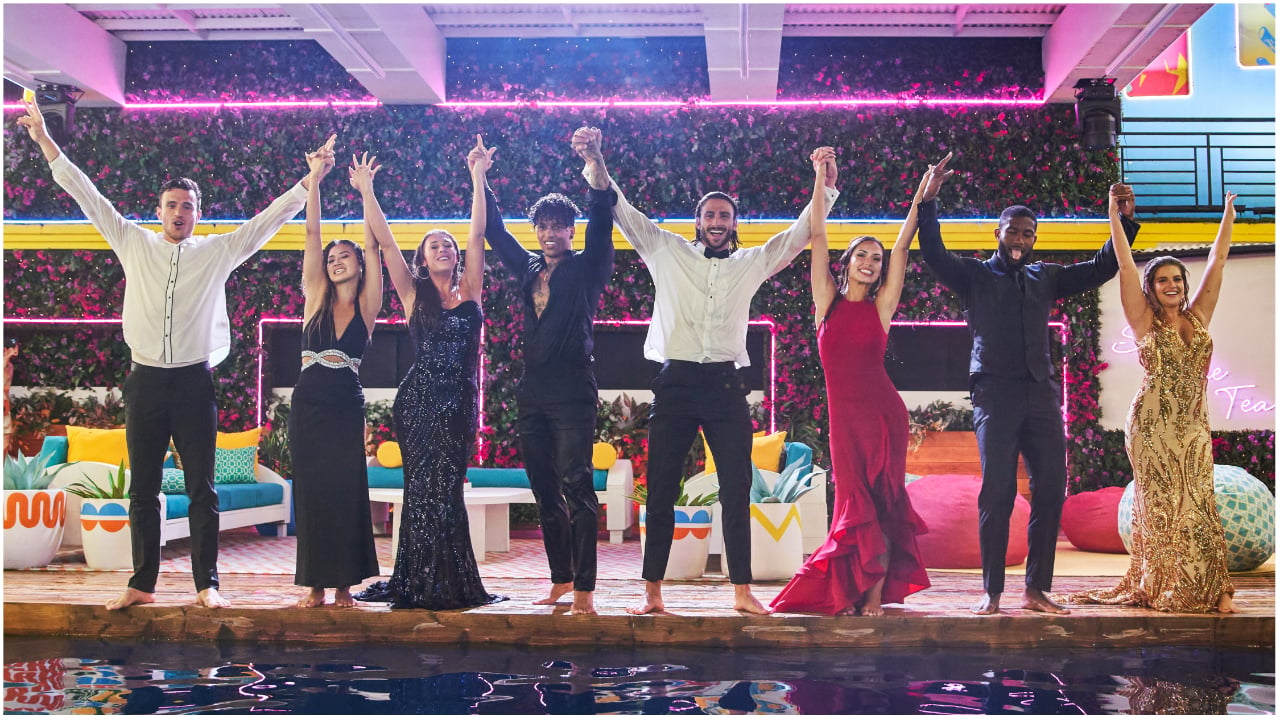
column 397, row 51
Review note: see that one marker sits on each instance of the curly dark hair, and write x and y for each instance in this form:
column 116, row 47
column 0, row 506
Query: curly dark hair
column 555, row 208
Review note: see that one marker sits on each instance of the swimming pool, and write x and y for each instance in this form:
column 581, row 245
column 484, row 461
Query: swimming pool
column 84, row 676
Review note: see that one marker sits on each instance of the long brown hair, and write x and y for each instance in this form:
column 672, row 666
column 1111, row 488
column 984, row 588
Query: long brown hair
column 326, row 301
column 427, row 304
column 1148, row 278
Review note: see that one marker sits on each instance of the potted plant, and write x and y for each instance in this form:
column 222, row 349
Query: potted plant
column 777, row 539
column 104, row 520
column 37, row 414
column 35, row 516
column 691, row 540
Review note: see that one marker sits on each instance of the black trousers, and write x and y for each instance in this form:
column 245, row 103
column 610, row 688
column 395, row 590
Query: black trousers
column 1012, row 417
column 688, row 396
column 161, row 403
column 557, row 423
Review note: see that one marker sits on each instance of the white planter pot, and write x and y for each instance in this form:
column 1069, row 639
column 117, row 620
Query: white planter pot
column 777, row 542
column 690, row 542
column 34, row 521
column 104, row 531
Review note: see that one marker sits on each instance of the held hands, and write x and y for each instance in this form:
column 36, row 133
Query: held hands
column 933, row 179
column 322, row 160
column 1229, row 207
column 587, row 142
column 362, row 171
column 824, row 164
column 480, row 158
column 1121, row 199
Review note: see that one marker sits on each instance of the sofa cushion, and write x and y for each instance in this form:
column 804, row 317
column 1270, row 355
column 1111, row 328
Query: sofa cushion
column 603, row 456
column 384, row 477
column 234, row 466
column 389, row 455
column 518, row 478
column 231, row 497
column 97, row 445
column 54, row 448
column 173, row 480
column 766, row 451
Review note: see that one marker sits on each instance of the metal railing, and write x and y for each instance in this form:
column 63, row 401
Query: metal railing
column 1182, row 166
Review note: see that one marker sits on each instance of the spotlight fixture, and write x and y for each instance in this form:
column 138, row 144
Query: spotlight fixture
column 58, row 105
column 1097, row 112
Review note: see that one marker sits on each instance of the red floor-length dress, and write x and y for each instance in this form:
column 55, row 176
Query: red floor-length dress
column 869, row 433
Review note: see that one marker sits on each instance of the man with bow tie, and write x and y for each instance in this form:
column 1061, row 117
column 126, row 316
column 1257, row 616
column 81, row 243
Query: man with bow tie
column 698, row 332
column 1017, row 401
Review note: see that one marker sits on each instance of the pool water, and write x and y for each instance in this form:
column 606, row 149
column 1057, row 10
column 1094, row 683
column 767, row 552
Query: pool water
column 53, row 675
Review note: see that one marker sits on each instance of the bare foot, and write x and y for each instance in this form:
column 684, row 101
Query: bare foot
column 342, row 597
column 988, row 605
column 314, row 598
column 1035, row 600
column 558, row 590
column 652, row 600
column 744, row 601
column 849, row 611
column 130, row 597
column 210, row 598
column 583, row 603
column 871, row 600
column 1227, row 603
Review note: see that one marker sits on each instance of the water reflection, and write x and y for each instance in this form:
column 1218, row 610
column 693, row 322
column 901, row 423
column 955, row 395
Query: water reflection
column 76, row 676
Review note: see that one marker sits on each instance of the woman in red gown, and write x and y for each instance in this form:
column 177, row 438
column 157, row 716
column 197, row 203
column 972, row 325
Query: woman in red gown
column 870, row 556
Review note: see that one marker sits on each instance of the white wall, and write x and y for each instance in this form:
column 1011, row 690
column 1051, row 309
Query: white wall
column 1242, row 388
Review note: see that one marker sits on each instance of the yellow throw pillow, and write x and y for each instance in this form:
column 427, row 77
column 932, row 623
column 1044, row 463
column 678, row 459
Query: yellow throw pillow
column 97, row 445
column 766, row 451
column 603, row 456
column 236, row 440
column 389, row 455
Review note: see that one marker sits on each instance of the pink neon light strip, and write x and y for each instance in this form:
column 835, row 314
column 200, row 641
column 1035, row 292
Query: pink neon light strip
column 549, row 104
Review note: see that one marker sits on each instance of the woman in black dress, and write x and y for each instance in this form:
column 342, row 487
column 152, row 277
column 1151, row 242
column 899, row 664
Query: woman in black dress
column 326, row 420
column 436, row 412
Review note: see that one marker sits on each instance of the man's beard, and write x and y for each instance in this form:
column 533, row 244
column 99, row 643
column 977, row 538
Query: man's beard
column 702, row 238
column 1003, row 250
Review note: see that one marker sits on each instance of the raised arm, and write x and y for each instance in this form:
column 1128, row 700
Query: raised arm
column 783, row 247
column 1104, row 265
column 479, row 160
column 314, row 276
column 948, row 268
column 376, row 231
column 1206, row 298
column 375, row 222
column 821, row 282
column 642, row 233
column 1137, row 312
column 895, row 273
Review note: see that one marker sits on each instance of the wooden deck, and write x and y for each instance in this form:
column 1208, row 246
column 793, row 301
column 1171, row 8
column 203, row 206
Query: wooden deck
column 71, row 604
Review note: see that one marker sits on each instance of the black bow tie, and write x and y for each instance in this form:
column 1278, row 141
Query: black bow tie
column 719, row 254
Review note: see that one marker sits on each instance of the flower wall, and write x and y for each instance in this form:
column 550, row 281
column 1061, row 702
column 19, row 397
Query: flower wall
column 664, row 159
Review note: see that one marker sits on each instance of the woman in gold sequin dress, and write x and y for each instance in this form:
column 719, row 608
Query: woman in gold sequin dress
column 1179, row 560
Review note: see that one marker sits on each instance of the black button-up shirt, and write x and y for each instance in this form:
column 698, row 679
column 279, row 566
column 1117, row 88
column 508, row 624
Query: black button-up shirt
column 1008, row 309
column 562, row 338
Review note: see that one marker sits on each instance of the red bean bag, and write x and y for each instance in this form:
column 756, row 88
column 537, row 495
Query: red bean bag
column 1089, row 520
column 949, row 506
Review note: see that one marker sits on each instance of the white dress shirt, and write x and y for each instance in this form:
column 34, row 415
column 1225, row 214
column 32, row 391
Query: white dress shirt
column 175, row 300
column 701, row 305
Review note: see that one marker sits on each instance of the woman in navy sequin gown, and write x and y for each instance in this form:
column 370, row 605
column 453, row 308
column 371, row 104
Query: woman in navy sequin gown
column 326, row 423
column 436, row 413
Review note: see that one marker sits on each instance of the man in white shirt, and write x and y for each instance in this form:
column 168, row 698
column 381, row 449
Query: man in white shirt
column 702, row 299
column 176, row 326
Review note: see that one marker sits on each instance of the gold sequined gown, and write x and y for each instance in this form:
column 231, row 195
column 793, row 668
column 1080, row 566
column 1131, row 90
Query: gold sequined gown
column 1179, row 558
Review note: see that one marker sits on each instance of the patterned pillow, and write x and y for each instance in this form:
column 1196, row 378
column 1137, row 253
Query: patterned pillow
column 173, row 482
column 233, row 466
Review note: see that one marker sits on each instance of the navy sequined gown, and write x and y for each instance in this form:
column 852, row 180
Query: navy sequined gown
column 436, row 414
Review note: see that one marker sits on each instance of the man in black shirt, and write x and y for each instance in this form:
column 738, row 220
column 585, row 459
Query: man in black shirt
column 1017, row 402
column 557, row 393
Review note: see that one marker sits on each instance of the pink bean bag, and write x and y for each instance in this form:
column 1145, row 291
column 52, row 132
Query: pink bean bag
column 949, row 506
column 1089, row 520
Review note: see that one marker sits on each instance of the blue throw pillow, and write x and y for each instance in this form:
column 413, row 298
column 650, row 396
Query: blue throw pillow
column 173, row 482
column 234, row 466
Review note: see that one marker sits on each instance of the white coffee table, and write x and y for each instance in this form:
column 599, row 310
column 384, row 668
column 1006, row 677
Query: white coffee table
column 487, row 515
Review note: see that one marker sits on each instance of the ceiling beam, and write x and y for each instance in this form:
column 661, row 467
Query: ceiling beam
column 56, row 44
column 744, row 47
